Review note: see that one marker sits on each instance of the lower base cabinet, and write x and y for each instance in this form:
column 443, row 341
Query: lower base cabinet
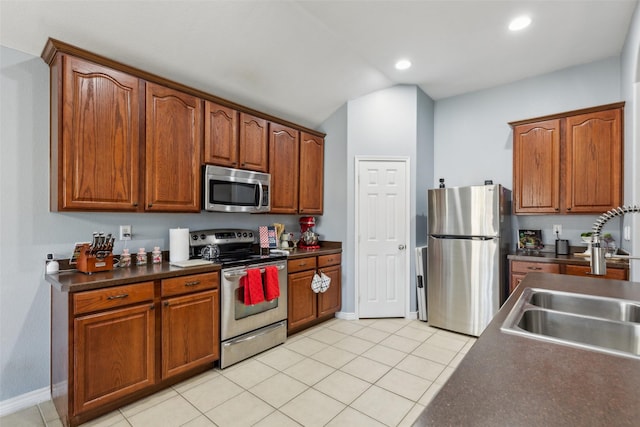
column 519, row 270
column 112, row 346
column 306, row 307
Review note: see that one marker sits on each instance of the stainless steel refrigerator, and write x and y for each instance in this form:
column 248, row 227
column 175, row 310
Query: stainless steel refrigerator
column 469, row 239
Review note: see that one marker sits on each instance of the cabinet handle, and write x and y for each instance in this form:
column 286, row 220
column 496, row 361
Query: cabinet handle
column 150, row 205
column 568, row 209
column 194, row 283
column 112, row 297
column 534, row 268
column 135, row 204
column 166, row 303
column 152, row 306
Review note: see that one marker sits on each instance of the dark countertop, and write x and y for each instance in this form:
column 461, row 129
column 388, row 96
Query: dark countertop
column 75, row 281
column 551, row 257
column 508, row 380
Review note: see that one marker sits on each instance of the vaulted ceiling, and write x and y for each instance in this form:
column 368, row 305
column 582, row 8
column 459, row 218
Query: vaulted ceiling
column 301, row 60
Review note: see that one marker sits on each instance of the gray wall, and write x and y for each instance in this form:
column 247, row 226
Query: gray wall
column 474, row 140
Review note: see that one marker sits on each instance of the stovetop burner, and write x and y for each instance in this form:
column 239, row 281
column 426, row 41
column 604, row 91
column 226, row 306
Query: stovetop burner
column 232, row 247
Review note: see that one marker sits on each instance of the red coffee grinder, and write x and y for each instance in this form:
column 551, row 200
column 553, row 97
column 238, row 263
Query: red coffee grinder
column 308, row 239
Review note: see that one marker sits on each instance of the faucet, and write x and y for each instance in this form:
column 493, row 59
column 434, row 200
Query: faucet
column 597, row 261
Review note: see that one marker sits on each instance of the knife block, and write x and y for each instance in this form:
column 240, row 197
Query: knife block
column 89, row 264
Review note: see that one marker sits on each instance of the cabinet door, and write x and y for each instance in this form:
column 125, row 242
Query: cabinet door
column 302, row 300
column 594, row 161
column 516, row 278
column 173, row 147
column 220, row 135
column 253, row 143
column 536, row 167
column 311, row 196
column 331, row 300
column 585, row 270
column 190, row 332
column 113, row 355
column 284, row 145
column 95, row 143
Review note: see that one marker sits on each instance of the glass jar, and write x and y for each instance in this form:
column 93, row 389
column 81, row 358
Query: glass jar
column 156, row 255
column 125, row 258
column 141, row 257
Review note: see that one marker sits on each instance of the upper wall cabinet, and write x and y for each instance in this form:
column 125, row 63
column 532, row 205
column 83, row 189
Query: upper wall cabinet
column 284, row 149
column 95, row 137
column 310, row 200
column 173, row 141
column 253, row 143
column 569, row 163
column 123, row 139
column 220, row 135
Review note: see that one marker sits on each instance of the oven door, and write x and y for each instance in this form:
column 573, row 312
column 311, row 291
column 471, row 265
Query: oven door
column 236, row 318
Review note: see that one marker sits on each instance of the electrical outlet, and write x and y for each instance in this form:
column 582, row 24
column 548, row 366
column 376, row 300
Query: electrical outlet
column 557, row 229
column 125, row 232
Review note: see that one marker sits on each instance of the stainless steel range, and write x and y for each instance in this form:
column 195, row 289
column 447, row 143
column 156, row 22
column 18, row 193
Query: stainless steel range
column 245, row 329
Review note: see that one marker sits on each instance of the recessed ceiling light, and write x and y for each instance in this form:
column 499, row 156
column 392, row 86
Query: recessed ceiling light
column 403, row 64
column 519, row 23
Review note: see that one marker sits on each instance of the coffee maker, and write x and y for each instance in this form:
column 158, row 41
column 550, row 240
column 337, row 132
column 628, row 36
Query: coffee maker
column 308, row 238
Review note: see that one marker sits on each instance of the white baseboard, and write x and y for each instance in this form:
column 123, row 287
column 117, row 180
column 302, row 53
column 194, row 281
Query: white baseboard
column 346, row 316
column 26, row 400
column 412, row 315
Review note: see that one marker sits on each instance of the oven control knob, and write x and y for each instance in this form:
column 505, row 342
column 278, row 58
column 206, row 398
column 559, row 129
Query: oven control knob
column 244, row 234
column 194, row 236
column 251, row 234
column 203, row 236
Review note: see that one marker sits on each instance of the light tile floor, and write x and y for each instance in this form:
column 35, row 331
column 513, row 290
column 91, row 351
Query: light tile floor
column 367, row 372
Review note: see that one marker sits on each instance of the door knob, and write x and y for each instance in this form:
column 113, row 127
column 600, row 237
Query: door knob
column 401, row 247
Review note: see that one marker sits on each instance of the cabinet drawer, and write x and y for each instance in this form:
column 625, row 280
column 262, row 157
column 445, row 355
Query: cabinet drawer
column 186, row 284
column 301, row 264
column 585, row 270
column 117, row 296
column 326, row 260
column 528, row 267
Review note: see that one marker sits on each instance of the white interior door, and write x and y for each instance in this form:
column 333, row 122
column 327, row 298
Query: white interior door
column 382, row 238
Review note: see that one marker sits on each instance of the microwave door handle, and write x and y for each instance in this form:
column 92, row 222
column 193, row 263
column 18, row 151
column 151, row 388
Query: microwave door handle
column 259, row 195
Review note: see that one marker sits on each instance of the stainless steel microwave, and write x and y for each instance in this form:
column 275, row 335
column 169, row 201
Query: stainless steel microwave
column 235, row 190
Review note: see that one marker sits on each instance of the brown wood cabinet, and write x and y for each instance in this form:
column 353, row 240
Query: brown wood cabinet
column 585, row 270
column 190, row 324
column 311, row 187
column 284, row 152
column 253, row 143
column 220, row 135
column 95, row 138
column 111, row 346
column 307, row 308
column 594, row 165
column 569, row 163
column 536, row 167
column 123, row 139
column 519, row 270
column 173, row 144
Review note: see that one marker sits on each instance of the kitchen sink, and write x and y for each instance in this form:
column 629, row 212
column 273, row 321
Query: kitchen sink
column 608, row 325
column 602, row 307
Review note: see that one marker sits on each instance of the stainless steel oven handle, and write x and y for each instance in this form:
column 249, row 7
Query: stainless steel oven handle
column 238, row 274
